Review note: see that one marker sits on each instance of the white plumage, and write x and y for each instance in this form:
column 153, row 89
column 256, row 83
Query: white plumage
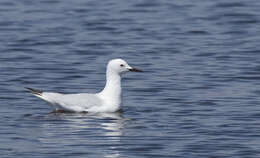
column 108, row 100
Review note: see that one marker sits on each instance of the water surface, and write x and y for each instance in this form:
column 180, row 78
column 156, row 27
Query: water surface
column 198, row 97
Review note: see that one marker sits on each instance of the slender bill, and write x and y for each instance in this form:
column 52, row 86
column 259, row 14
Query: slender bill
column 135, row 69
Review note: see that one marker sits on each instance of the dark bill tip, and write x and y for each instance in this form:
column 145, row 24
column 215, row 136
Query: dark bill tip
column 135, row 70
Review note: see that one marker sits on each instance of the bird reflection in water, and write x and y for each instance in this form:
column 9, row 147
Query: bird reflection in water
column 79, row 129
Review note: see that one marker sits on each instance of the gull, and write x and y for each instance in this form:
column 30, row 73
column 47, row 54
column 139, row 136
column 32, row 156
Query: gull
column 108, row 100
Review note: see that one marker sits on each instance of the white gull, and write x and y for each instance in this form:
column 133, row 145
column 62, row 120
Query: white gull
column 108, row 100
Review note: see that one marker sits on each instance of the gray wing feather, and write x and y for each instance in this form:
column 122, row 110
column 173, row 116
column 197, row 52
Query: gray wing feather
column 75, row 102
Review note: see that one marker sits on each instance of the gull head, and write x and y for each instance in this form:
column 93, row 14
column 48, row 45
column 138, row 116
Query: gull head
column 120, row 66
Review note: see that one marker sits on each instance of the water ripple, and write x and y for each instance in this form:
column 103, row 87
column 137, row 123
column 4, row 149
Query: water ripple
column 198, row 95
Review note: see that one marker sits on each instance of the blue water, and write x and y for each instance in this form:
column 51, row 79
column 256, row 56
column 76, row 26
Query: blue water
column 199, row 96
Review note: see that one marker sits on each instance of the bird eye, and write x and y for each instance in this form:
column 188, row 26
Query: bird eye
column 122, row 65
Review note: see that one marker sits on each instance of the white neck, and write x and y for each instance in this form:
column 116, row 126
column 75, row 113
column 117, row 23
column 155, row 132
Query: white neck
column 111, row 94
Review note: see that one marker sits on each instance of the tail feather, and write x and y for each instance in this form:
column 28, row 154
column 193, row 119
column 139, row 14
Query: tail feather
column 34, row 91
